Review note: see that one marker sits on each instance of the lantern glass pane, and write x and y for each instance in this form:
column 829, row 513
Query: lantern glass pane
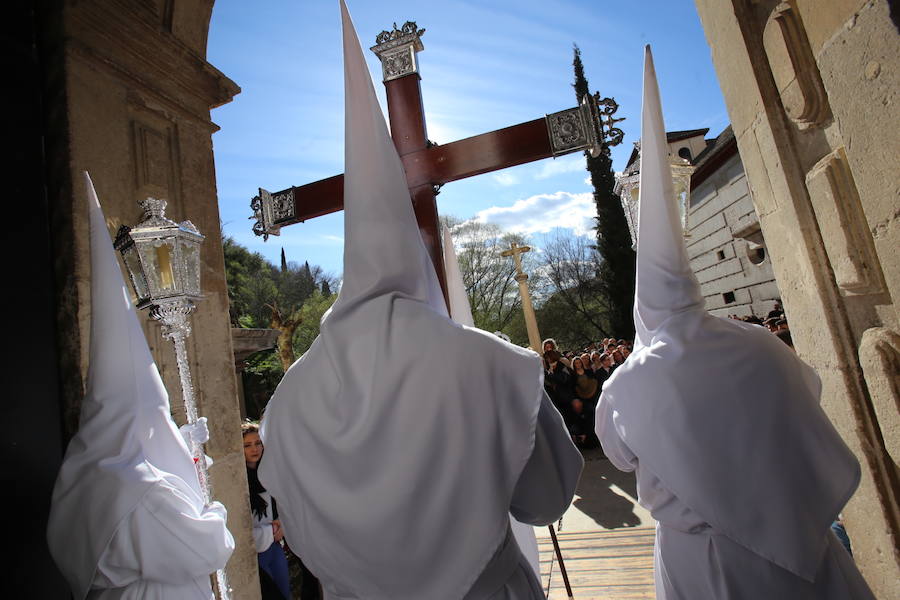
column 191, row 256
column 165, row 268
column 136, row 272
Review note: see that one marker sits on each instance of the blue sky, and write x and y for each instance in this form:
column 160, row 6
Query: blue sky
column 486, row 65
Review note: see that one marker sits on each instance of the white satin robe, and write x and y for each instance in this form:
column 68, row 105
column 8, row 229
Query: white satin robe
column 165, row 550
column 693, row 561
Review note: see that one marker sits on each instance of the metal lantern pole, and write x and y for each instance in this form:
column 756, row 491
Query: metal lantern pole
column 174, row 317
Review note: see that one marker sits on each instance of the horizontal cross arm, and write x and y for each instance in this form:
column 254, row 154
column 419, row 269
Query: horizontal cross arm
column 556, row 134
column 508, row 147
column 273, row 211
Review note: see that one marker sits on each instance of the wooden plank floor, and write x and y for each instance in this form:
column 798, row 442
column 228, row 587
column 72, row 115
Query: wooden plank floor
column 610, row 564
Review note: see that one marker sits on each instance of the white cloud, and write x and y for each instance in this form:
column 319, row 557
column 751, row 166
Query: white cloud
column 505, row 179
column 543, row 213
column 561, row 166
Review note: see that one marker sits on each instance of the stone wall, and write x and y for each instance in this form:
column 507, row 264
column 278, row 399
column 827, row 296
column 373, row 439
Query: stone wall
column 725, row 262
column 137, row 97
column 812, row 93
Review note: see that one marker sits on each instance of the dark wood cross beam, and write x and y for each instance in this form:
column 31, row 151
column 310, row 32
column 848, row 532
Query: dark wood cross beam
column 429, row 166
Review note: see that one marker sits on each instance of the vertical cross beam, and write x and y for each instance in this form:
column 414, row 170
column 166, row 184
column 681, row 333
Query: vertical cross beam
column 397, row 50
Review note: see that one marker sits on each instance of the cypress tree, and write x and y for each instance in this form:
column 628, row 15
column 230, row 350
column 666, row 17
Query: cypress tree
column 617, row 270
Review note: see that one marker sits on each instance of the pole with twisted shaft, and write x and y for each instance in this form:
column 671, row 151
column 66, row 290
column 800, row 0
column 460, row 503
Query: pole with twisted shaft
column 174, row 316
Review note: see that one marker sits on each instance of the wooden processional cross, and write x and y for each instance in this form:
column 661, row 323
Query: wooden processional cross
column 428, row 166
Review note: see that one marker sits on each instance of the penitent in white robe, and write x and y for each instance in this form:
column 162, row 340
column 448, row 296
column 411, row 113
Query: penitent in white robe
column 400, row 443
column 127, row 512
column 165, row 549
column 735, row 457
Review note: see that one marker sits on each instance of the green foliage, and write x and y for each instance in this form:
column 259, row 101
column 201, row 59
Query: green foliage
column 251, row 285
column 258, row 292
column 311, row 313
column 260, row 377
column 570, row 328
column 616, row 273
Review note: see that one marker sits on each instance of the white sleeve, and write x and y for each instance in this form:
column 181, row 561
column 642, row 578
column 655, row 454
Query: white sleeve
column 614, row 448
column 167, row 539
column 547, row 483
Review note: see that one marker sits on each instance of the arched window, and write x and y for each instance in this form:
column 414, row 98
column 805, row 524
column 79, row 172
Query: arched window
column 756, row 253
column 685, row 153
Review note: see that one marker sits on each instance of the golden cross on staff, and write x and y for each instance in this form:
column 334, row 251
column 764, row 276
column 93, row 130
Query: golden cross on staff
column 534, row 337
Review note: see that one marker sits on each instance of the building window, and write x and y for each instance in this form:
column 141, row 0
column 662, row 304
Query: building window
column 728, row 297
column 756, row 253
column 685, row 153
column 720, row 255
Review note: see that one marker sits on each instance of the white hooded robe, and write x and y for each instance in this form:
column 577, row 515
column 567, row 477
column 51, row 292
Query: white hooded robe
column 127, row 518
column 397, row 446
column 734, row 457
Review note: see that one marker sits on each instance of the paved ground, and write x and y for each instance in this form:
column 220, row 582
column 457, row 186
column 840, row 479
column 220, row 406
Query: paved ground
column 606, row 539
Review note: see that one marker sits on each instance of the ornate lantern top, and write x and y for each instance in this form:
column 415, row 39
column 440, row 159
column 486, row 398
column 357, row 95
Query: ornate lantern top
column 162, row 256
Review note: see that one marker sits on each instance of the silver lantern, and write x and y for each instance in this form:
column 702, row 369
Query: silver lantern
column 162, row 256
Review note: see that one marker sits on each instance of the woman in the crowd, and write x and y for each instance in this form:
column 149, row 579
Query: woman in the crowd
column 586, row 361
column 618, row 358
column 557, row 381
column 267, row 533
column 586, row 387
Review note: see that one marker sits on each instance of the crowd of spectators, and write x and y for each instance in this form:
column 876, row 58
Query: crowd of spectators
column 573, row 381
column 775, row 322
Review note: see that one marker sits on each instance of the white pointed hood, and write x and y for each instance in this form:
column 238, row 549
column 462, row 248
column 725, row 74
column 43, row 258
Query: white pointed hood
column 722, row 412
column 375, row 440
column 460, row 310
column 126, row 436
column 665, row 283
column 383, row 250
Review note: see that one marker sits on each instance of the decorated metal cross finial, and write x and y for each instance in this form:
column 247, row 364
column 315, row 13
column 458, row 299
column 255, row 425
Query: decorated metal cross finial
column 397, row 50
column 589, row 126
column 610, row 135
